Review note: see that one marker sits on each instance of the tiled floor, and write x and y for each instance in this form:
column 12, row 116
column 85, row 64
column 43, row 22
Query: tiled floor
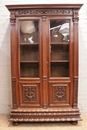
column 6, row 125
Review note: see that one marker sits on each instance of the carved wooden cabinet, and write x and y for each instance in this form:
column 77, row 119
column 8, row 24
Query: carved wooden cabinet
column 44, row 62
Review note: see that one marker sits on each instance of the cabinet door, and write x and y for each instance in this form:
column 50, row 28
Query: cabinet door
column 29, row 61
column 60, row 62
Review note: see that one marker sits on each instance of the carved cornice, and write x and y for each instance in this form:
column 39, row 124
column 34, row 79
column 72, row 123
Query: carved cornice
column 44, row 11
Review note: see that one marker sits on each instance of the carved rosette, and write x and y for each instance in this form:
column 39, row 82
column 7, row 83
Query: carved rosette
column 75, row 91
column 59, row 93
column 29, row 93
column 14, row 92
column 44, row 11
column 75, row 17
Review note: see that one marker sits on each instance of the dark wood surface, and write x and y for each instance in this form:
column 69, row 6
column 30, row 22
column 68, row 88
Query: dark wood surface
column 44, row 94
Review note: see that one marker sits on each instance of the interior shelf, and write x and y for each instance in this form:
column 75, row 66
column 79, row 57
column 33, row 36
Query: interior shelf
column 23, row 43
column 54, row 43
column 59, row 60
column 29, row 61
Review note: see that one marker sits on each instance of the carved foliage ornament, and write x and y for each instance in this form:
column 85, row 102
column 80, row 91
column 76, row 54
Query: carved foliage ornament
column 44, row 11
column 29, row 93
column 59, row 93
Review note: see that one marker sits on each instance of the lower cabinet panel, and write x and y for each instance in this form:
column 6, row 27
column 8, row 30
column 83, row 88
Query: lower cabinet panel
column 29, row 95
column 59, row 94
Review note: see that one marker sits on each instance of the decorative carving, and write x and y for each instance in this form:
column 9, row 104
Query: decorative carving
column 44, row 19
column 59, row 93
column 12, row 17
column 75, row 91
column 75, row 16
column 45, row 106
column 29, row 93
column 44, row 11
column 14, row 91
column 43, row 119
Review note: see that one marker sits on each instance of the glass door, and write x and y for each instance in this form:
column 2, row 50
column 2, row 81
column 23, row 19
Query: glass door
column 29, row 49
column 60, row 65
column 59, row 48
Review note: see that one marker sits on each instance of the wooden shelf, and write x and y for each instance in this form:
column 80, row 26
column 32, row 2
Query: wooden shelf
column 55, row 43
column 53, row 61
column 27, row 43
column 29, row 61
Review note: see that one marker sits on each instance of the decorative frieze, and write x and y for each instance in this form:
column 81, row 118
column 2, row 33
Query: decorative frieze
column 44, row 11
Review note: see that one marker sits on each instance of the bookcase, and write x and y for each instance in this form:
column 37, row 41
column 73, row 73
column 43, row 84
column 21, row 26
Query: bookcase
column 44, row 62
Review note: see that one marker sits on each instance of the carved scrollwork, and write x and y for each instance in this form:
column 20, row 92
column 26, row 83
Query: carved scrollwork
column 59, row 93
column 29, row 93
column 44, row 11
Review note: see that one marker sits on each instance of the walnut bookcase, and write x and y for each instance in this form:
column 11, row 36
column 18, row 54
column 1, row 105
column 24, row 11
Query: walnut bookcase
column 44, row 62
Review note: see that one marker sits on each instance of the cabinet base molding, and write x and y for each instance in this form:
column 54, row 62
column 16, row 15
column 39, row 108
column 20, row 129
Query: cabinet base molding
column 70, row 115
column 44, row 119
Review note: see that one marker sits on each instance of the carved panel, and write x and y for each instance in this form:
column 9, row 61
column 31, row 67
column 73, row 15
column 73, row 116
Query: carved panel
column 59, row 93
column 44, row 11
column 14, row 91
column 29, row 93
column 75, row 91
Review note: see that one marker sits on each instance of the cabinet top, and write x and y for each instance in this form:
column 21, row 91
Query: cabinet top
column 43, row 6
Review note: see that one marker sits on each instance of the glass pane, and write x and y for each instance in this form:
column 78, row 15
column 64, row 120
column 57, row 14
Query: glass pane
column 59, row 48
column 29, row 49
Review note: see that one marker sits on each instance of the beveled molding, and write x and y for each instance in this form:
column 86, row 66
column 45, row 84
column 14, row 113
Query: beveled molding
column 45, row 114
column 45, row 110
